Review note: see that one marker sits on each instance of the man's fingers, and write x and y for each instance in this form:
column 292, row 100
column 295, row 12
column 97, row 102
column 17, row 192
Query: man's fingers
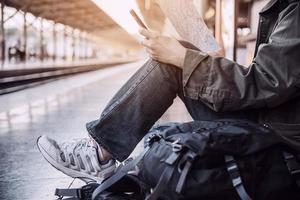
column 153, row 57
column 147, row 44
column 148, row 34
column 151, row 52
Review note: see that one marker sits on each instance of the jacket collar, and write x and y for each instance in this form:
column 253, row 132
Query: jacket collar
column 272, row 3
column 269, row 6
column 292, row 1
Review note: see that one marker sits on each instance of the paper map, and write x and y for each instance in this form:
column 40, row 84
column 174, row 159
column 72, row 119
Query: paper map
column 189, row 24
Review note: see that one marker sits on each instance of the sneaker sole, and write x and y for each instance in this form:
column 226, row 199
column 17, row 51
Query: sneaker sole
column 73, row 173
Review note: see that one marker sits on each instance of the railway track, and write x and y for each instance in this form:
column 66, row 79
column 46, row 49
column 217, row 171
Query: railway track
column 15, row 80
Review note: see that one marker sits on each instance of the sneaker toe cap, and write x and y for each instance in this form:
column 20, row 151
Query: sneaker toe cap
column 48, row 146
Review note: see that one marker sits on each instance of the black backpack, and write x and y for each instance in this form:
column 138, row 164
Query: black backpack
column 211, row 160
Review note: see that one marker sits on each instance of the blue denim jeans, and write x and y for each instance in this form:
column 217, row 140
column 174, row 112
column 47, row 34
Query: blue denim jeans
column 141, row 102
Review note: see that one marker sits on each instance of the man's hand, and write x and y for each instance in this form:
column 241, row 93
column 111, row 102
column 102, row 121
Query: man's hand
column 163, row 49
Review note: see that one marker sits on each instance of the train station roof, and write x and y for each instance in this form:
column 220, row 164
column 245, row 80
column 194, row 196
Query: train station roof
column 80, row 14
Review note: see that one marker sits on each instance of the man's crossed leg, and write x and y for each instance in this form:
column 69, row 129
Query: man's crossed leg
column 124, row 122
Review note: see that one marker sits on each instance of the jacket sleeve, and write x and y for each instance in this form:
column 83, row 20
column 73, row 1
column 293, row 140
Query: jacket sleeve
column 272, row 78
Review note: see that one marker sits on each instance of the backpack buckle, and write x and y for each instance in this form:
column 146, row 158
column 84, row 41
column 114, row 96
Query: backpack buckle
column 176, row 147
column 292, row 164
column 87, row 190
column 235, row 177
column 153, row 138
column 233, row 170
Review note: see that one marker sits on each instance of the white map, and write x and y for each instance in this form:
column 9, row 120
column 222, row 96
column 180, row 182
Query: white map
column 189, row 24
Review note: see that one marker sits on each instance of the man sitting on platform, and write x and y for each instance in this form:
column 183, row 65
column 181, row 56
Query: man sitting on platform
column 211, row 88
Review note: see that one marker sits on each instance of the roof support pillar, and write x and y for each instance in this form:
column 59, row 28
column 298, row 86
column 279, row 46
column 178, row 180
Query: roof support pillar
column 25, row 36
column 218, row 26
column 3, row 52
column 80, row 45
column 85, row 46
column 73, row 45
column 236, row 14
column 54, row 41
column 65, row 43
column 42, row 50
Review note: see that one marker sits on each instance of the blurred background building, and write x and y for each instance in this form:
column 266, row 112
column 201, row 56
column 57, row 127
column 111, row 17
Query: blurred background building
column 62, row 61
column 49, row 35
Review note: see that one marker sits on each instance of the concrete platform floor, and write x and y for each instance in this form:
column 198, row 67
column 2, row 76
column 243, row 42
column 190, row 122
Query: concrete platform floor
column 59, row 109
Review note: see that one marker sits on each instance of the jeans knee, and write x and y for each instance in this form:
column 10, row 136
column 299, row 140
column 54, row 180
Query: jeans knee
column 164, row 67
column 169, row 73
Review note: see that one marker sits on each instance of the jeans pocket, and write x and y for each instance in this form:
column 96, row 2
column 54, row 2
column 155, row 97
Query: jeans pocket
column 192, row 93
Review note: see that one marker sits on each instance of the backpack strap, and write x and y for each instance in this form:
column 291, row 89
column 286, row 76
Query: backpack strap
column 235, row 176
column 162, row 183
column 123, row 170
column 167, row 174
column 293, row 166
column 119, row 174
column 188, row 158
column 84, row 192
column 74, row 192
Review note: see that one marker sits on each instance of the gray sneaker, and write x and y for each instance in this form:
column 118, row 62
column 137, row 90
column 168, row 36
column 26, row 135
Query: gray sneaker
column 77, row 159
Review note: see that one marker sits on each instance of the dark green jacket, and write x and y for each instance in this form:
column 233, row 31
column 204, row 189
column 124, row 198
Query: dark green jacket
column 270, row 86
